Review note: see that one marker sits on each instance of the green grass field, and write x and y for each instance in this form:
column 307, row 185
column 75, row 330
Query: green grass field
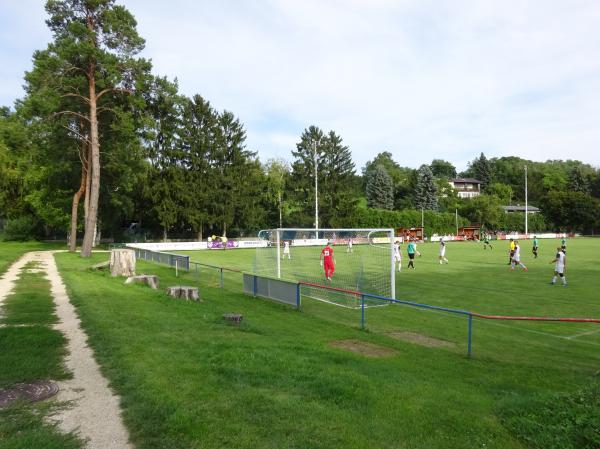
column 286, row 379
column 475, row 279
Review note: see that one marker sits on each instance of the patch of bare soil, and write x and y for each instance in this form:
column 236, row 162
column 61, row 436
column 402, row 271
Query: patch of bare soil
column 423, row 340
column 363, row 348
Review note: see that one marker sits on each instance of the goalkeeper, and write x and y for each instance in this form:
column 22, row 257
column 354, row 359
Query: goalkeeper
column 327, row 261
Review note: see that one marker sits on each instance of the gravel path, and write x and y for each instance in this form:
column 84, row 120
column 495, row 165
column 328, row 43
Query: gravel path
column 95, row 414
column 8, row 280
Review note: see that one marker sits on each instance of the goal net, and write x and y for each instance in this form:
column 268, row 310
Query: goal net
column 363, row 263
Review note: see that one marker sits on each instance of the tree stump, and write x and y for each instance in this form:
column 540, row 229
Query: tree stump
column 122, row 262
column 235, row 318
column 149, row 279
column 185, row 292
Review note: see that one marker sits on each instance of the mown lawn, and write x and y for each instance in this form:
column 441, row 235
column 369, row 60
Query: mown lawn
column 188, row 379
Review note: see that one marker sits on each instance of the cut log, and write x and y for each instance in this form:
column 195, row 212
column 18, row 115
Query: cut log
column 122, row 262
column 150, row 280
column 185, row 292
column 101, row 265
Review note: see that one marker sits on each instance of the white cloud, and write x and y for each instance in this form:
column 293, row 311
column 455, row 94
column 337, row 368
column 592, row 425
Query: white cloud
column 422, row 79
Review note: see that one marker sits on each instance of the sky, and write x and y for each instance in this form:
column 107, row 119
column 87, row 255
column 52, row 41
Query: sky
column 422, row 79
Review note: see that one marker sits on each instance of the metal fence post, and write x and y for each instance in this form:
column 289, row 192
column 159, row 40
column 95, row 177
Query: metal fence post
column 297, row 295
column 362, row 317
column 255, row 281
column 470, row 333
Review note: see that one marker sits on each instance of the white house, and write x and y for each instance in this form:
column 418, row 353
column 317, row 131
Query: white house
column 466, row 187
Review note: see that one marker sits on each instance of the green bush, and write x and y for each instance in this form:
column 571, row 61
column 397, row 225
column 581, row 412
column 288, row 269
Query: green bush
column 516, row 222
column 22, row 228
column 559, row 421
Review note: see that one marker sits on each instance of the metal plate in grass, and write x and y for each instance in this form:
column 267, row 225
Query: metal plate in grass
column 31, row 392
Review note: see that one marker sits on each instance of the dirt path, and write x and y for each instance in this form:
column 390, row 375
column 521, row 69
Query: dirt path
column 8, row 280
column 95, row 414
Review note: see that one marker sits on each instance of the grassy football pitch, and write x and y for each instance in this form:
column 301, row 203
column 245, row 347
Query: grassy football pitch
column 475, row 279
column 314, row 379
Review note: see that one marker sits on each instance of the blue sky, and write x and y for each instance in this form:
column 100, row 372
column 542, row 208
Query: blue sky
column 422, row 79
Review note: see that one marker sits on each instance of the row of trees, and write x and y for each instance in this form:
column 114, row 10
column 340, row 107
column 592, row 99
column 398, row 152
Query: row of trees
column 100, row 143
column 568, row 192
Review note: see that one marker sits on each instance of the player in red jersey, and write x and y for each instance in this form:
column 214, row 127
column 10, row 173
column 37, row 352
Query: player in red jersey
column 328, row 261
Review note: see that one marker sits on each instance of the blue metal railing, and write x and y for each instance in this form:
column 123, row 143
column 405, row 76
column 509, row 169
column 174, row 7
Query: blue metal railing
column 422, row 306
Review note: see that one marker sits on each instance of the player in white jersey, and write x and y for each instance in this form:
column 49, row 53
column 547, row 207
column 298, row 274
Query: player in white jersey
column 516, row 258
column 349, row 248
column 286, row 250
column 398, row 255
column 559, row 269
column 442, row 255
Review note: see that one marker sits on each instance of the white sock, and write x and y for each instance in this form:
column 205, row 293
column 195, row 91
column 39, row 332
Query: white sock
column 554, row 279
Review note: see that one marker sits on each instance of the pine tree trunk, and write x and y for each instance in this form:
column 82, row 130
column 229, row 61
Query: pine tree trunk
column 75, row 208
column 88, row 183
column 90, row 222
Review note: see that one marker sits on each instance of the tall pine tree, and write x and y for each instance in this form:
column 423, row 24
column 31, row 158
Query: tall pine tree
column 482, row 170
column 198, row 133
column 165, row 185
column 336, row 179
column 90, row 61
column 576, row 181
column 426, row 189
column 380, row 189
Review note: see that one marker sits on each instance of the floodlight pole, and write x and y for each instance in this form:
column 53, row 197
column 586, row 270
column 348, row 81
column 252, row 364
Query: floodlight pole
column 278, row 240
column 526, row 228
column 314, row 145
column 456, row 219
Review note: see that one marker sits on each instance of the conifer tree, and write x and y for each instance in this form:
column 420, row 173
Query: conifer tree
column 426, row 189
column 335, row 175
column 380, row 189
column 90, row 61
column 576, row 181
column 198, row 132
column 482, row 170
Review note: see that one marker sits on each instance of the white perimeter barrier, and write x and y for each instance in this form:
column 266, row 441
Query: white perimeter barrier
column 515, row 236
column 195, row 246
column 233, row 244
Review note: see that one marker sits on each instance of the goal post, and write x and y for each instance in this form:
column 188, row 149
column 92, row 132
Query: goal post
column 364, row 261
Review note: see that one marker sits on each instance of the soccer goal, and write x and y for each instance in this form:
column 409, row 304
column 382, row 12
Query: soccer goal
column 363, row 262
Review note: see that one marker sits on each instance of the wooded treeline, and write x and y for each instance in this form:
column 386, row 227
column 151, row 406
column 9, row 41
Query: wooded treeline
column 100, row 143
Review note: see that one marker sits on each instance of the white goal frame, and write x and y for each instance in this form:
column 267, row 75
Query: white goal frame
column 368, row 231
